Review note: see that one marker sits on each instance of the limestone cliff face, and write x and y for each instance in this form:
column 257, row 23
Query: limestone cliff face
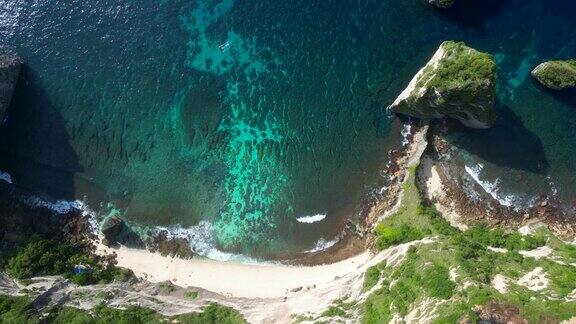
column 441, row 3
column 9, row 72
column 459, row 82
column 557, row 75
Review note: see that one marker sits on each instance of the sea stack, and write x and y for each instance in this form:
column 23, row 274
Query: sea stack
column 459, row 82
column 441, row 3
column 556, row 75
column 10, row 67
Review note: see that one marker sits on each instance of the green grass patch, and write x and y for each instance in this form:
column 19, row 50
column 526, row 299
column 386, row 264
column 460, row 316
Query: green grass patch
column 17, row 310
column 371, row 277
column 462, row 67
column 192, row 294
column 20, row 310
column 425, row 272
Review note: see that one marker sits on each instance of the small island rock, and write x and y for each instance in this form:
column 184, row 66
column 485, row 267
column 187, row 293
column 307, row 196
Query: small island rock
column 441, row 3
column 10, row 67
column 459, row 82
column 556, row 75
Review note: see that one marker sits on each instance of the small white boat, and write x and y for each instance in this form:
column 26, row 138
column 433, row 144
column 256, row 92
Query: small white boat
column 225, row 46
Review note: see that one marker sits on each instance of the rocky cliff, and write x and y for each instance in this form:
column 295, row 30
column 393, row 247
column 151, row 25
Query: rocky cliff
column 459, row 82
column 9, row 72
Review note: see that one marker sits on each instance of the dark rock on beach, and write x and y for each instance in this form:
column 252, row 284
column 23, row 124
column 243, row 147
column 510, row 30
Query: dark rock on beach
column 116, row 231
column 171, row 246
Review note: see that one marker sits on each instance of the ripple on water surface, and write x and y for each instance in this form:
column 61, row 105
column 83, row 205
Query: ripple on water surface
column 263, row 119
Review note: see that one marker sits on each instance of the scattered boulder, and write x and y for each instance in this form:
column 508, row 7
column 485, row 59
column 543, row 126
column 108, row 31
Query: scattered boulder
column 10, row 67
column 556, row 75
column 441, row 3
column 459, row 82
column 111, row 229
column 116, row 231
column 171, row 246
column 499, row 313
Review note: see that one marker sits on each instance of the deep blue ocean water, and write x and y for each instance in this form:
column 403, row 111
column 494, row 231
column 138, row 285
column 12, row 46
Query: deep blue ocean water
column 249, row 114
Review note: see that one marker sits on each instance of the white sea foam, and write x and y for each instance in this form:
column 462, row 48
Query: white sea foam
column 202, row 242
column 406, row 131
column 5, row 176
column 311, row 219
column 66, row 206
column 491, row 188
column 322, row 245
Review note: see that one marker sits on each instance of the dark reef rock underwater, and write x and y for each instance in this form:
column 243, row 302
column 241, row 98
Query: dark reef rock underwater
column 441, row 3
column 459, row 82
column 10, row 67
column 556, row 75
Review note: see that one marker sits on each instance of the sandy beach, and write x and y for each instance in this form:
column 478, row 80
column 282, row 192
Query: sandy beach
column 264, row 293
column 232, row 278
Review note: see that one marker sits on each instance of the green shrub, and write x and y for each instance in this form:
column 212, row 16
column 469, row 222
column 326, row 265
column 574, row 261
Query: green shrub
column 512, row 241
column 192, row 294
column 334, row 311
column 377, row 308
column 213, row 314
column 47, row 257
column 563, row 277
column 533, row 242
column 437, row 282
column 439, row 224
column 389, row 236
column 39, row 257
column 17, row 310
column 371, row 277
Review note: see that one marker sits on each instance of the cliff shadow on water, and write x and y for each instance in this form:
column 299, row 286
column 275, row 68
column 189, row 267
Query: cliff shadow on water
column 566, row 96
column 472, row 14
column 34, row 143
column 508, row 144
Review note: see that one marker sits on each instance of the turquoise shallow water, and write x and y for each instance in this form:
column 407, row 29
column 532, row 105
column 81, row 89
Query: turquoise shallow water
column 251, row 114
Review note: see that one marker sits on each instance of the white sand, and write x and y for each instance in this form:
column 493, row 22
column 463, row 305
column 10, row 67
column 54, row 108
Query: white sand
column 531, row 228
column 541, row 252
column 435, row 191
column 497, row 250
column 500, row 283
column 535, row 280
column 231, row 278
column 424, row 312
column 453, row 274
column 268, row 289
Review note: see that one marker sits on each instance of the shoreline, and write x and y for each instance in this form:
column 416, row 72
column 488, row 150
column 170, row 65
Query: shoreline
column 444, row 183
column 289, row 289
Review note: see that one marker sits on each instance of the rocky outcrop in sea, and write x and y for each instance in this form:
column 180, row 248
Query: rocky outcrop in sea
column 556, row 75
column 459, row 82
column 441, row 3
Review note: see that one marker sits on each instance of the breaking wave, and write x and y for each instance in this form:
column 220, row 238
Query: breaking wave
column 322, row 245
column 494, row 190
column 203, row 242
column 5, row 176
column 311, row 219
